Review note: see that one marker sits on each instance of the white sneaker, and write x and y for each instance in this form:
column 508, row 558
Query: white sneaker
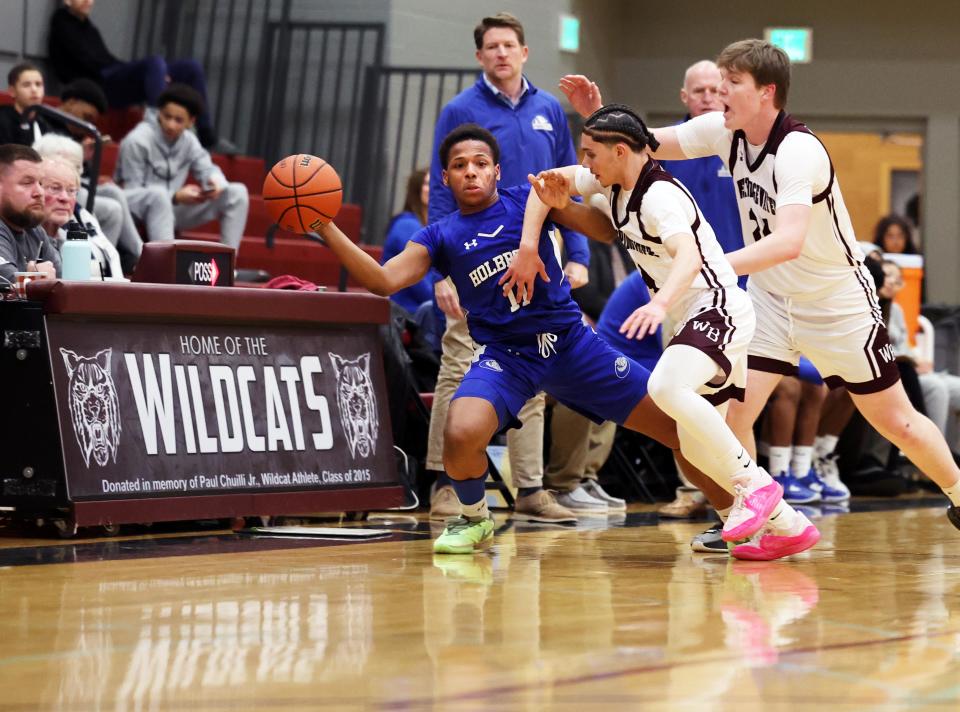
column 581, row 502
column 614, row 504
column 827, row 468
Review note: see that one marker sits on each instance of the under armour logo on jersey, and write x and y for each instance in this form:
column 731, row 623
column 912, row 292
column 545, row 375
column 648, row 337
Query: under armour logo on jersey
column 489, row 234
column 468, row 245
column 547, row 343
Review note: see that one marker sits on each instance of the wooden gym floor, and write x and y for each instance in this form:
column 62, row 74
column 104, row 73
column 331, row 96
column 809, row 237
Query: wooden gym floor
column 611, row 615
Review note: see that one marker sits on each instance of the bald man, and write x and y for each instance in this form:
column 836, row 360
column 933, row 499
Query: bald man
column 712, row 187
column 708, row 178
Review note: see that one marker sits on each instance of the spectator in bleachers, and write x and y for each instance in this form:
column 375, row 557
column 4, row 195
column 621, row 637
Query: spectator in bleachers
column 158, row 156
column 84, row 99
column 24, row 246
column 401, row 228
column 894, row 235
column 77, row 50
column 62, row 163
column 25, row 85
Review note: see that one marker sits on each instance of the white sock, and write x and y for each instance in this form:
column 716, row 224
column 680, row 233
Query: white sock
column 953, row 493
column 724, row 513
column 784, row 518
column 801, row 460
column 779, row 460
column 473, row 512
column 824, row 445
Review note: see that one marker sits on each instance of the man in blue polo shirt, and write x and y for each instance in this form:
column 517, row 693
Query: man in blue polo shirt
column 532, row 131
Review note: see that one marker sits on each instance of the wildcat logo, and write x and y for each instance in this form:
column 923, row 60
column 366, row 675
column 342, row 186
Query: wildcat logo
column 711, row 332
column 93, row 404
column 357, row 403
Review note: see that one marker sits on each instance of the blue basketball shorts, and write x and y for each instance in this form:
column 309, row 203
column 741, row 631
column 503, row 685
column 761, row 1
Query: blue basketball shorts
column 576, row 367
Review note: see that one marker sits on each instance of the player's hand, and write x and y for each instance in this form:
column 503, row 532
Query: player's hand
column 447, row 300
column 577, row 274
column 643, row 321
column 583, row 95
column 189, row 195
column 924, row 367
column 552, row 188
column 522, row 274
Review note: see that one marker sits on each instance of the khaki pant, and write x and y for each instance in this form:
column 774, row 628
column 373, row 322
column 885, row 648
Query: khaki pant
column 578, row 448
column 524, row 446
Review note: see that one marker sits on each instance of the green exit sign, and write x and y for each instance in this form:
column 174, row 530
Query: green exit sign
column 797, row 42
column 569, row 33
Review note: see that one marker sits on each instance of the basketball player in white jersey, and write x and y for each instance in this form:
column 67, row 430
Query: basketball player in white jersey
column 811, row 292
column 692, row 284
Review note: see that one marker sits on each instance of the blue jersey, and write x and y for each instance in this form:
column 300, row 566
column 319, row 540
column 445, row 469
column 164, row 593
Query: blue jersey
column 475, row 250
column 533, row 137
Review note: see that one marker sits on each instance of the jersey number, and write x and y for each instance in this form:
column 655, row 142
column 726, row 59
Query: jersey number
column 757, row 232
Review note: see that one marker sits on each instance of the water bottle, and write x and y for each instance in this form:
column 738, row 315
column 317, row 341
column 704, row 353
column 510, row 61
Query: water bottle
column 75, row 253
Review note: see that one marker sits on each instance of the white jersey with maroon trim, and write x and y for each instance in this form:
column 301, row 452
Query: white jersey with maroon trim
column 791, row 168
column 657, row 208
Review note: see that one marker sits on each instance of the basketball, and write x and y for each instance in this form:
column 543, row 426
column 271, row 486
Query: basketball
column 302, row 192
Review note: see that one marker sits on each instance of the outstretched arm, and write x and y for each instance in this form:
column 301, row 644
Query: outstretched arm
column 584, row 96
column 551, row 189
column 405, row 269
column 585, row 219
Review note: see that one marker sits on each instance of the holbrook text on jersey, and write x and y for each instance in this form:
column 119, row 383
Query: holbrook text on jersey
column 492, row 267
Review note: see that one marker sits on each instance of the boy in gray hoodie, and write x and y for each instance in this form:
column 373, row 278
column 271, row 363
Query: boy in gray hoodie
column 159, row 154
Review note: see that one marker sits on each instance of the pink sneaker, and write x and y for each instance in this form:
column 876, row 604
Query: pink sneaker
column 767, row 545
column 757, row 496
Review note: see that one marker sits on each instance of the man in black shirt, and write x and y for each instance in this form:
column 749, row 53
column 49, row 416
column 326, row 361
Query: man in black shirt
column 77, row 50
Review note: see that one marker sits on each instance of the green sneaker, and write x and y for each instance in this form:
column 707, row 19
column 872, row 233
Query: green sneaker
column 461, row 535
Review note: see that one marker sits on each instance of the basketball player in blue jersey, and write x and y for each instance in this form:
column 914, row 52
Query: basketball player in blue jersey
column 811, row 291
column 527, row 345
column 705, row 362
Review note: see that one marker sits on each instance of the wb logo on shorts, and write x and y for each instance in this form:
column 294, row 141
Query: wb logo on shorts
column 621, row 367
column 711, row 332
column 491, row 365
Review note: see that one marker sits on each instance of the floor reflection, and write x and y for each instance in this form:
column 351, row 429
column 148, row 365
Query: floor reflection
column 612, row 612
